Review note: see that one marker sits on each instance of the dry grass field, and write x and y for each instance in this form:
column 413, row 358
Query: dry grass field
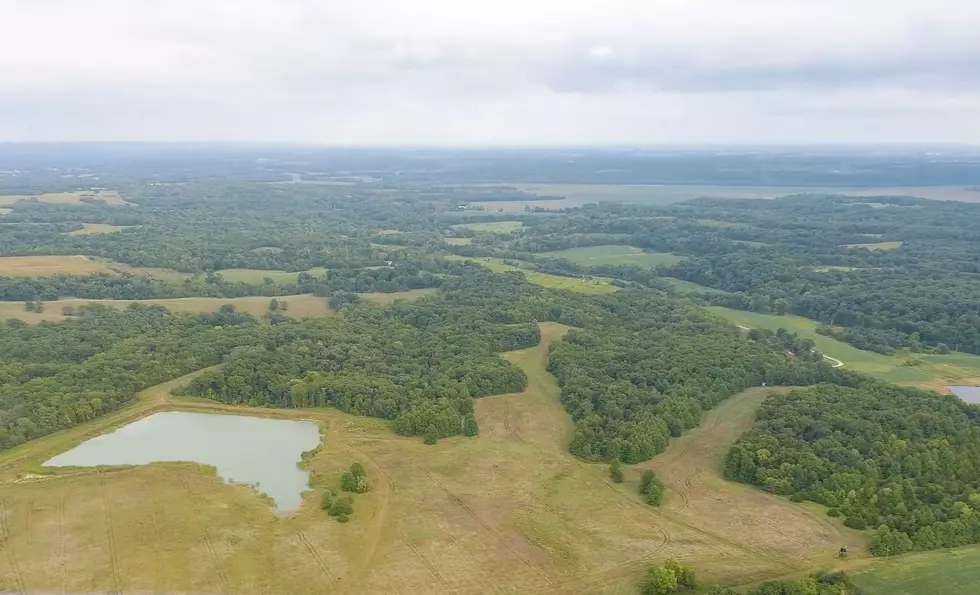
column 298, row 306
column 258, row 275
column 42, row 266
column 509, row 511
column 95, row 228
column 877, row 246
column 110, row 197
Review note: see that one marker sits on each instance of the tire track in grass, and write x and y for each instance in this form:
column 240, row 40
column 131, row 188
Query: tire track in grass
column 111, row 539
column 527, row 562
column 204, row 531
column 30, row 520
column 316, row 557
column 428, row 564
column 11, row 558
column 63, row 546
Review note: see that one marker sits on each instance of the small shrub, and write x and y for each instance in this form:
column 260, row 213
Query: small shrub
column 326, row 500
column 470, row 428
column 833, row 512
column 342, row 518
column 341, row 506
column 797, row 498
column 431, row 435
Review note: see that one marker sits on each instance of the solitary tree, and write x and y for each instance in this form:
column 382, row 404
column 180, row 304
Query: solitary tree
column 431, row 434
column 470, row 428
column 273, row 305
column 616, row 471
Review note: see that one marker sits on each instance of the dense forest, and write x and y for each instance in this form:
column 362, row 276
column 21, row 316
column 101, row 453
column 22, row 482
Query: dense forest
column 901, row 461
column 53, row 376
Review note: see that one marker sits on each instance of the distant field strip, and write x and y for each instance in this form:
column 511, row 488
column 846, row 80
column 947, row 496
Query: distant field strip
column 42, row 266
column 930, row 371
column 615, row 255
column 576, row 284
column 110, row 197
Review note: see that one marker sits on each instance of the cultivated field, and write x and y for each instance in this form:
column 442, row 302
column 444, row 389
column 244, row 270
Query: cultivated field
column 110, row 197
column 255, row 276
column 615, row 255
column 492, row 226
column 877, row 246
column 507, row 512
column 42, row 266
column 592, row 285
column 950, row 572
column 96, row 228
column 929, row 371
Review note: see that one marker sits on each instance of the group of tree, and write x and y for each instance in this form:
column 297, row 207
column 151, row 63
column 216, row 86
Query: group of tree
column 651, row 488
column 827, row 583
column 669, row 578
column 902, row 461
column 339, row 507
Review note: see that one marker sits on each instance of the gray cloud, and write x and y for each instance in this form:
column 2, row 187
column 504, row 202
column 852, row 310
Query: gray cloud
column 502, row 71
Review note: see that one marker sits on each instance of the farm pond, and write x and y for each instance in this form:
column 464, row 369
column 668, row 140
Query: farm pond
column 263, row 453
column 969, row 394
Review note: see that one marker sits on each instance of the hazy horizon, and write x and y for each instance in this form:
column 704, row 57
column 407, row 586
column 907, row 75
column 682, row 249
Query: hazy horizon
column 435, row 73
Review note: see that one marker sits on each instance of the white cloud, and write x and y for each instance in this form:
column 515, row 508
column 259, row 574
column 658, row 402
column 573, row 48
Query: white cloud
column 502, row 71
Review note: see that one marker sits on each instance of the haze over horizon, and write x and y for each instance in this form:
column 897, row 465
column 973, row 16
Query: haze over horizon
column 435, row 72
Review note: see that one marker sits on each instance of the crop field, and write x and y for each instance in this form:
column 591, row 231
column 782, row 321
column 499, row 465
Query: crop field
column 110, row 197
column 950, row 572
column 929, row 371
column 509, row 511
column 42, row 266
column 877, row 246
column 254, row 276
column 615, row 255
column 492, row 226
column 580, row 285
column 96, row 228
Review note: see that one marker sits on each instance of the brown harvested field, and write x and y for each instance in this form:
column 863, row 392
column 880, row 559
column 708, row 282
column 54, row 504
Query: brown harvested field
column 110, row 197
column 95, row 228
column 41, row 266
column 388, row 298
column 507, row 512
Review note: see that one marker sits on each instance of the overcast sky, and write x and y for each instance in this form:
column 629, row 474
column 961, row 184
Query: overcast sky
column 396, row 72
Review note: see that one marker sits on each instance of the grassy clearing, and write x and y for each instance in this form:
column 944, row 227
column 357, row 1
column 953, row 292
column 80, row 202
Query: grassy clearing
column 932, row 371
column 719, row 224
column 877, row 246
column 96, row 228
column 509, row 511
column 458, row 241
column 687, row 287
column 299, row 306
column 492, row 226
column 110, row 197
column 951, row 572
column 592, row 285
column 255, row 276
column 43, row 266
column 615, row 255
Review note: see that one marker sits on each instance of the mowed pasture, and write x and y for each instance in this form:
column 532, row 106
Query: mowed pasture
column 950, row 572
column 615, row 255
column 576, row 284
column 43, row 266
column 509, row 511
column 96, row 228
column 930, row 371
column 110, row 197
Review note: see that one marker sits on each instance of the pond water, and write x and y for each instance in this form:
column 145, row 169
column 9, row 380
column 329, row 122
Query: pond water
column 250, row 450
column 970, row 394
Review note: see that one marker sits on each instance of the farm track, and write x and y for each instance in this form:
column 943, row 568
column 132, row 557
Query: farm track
column 111, row 539
column 5, row 544
column 30, row 521
column 195, row 505
column 500, row 538
column 378, row 519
